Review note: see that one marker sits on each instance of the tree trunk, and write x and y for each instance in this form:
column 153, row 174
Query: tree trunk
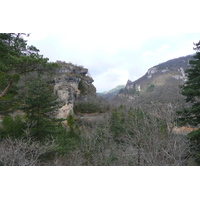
column 6, row 89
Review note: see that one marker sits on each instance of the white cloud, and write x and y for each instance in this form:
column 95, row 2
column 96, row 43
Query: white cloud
column 148, row 53
column 110, row 79
column 163, row 48
column 37, row 36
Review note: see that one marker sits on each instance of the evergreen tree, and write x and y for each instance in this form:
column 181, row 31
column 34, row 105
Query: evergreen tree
column 191, row 90
column 12, row 126
column 40, row 104
column 16, row 59
column 191, row 115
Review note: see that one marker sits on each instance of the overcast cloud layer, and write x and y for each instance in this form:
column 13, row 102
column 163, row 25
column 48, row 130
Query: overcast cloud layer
column 115, row 40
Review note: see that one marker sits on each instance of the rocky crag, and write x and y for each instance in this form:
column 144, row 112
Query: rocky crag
column 72, row 84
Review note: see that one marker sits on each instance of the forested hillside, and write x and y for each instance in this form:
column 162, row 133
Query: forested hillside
column 160, row 84
column 51, row 115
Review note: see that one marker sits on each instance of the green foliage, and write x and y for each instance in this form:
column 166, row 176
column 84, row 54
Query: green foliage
column 68, row 139
column 118, row 121
column 12, row 126
column 150, row 88
column 86, row 108
column 123, row 116
column 82, row 87
column 194, row 137
column 66, row 142
column 71, row 121
column 16, row 59
column 130, row 121
column 135, row 92
column 40, row 103
column 4, row 79
column 90, row 107
column 9, row 102
column 191, row 89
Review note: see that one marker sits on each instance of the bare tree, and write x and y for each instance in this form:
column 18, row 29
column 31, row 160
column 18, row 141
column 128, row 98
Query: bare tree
column 23, row 152
column 154, row 142
column 145, row 140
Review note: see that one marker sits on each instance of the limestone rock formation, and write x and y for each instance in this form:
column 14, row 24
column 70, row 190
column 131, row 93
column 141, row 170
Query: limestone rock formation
column 71, row 84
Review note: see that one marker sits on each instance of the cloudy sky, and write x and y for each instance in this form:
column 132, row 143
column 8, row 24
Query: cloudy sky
column 116, row 40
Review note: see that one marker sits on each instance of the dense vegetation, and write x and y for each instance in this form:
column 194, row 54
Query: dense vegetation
column 98, row 133
column 191, row 90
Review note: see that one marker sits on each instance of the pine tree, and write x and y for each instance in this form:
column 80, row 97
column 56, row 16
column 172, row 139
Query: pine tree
column 17, row 59
column 191, row 115
column 191, row 90
column 40, row 104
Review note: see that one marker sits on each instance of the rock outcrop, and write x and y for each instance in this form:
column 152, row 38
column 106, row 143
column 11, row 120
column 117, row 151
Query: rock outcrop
column 71, row 83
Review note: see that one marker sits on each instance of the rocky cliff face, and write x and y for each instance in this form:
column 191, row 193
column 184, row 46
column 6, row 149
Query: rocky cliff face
column 71, row 84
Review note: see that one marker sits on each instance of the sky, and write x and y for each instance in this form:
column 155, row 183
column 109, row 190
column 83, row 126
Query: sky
column 116, row 40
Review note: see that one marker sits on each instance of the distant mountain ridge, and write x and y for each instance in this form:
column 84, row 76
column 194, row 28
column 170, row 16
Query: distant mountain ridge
column 111, row 93
column 161, row 83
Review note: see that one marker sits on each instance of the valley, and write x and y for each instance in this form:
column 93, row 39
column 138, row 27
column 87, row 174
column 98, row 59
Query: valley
column 51, row 115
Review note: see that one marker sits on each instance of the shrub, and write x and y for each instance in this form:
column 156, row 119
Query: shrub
column 90, row 107
column 150, row 88
column 12, row 126
column 135, row 92
column 82, row 87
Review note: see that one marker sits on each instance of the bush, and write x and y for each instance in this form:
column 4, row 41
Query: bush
column 135, row 92
column 90, row 107
column 68, row 139
column 82, row 87
column 12, row 126
column 150, row 88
